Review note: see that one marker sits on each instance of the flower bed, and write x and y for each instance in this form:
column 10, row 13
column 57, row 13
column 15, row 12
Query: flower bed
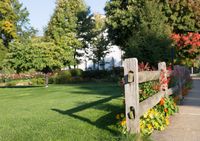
column 158, row 117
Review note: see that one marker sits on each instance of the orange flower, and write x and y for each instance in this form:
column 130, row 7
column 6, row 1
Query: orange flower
column 174, row 104
column 165, row 110
column 162, row 101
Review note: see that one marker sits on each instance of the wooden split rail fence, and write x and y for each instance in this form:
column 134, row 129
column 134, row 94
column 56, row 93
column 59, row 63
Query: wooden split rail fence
column 134, row 108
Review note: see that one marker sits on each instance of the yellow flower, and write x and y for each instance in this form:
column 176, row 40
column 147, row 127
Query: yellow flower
column 156, row 125
column 149, row 126
column 151, row 115
column 117, row 116
column 167, row 121
column 145, row 115
column 123, row 122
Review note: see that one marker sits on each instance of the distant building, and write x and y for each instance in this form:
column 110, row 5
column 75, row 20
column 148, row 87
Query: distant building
column 112, row 59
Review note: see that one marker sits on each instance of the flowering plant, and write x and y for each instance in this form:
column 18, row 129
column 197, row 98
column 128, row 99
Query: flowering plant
column 188, row 48
column 167, row 106
column 148, row 89
column 121, row 123
column 153, row 120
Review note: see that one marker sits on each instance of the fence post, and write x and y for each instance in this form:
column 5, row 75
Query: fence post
column 163, row 77
column 132, row 95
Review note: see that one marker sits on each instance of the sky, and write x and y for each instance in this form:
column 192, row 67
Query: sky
column 41, row 11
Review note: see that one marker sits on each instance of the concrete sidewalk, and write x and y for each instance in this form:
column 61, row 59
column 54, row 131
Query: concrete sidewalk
column 184, row 126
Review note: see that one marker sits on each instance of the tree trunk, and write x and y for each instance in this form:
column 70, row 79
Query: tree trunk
column 192, row 70
column 98, row 66
column 75, row 63
column 85, row 64
column 104, row 64
column 46, row 80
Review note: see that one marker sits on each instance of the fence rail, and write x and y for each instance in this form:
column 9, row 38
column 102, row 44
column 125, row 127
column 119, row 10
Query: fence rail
column 134, row 108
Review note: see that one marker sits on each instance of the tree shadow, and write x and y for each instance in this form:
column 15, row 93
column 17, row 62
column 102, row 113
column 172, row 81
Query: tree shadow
column 104, row 121
column 193, row 97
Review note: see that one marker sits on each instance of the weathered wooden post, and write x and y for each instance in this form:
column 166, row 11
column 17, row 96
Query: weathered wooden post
column 163, row 77
column 132, row 95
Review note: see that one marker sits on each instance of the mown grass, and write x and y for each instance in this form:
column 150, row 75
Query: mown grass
column 79, row 112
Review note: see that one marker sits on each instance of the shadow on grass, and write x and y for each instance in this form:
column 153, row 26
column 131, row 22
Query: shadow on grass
column 20, row 86
column 103, row 122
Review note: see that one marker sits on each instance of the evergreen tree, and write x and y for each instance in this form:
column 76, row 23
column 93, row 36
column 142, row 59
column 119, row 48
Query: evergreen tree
column 66, row 27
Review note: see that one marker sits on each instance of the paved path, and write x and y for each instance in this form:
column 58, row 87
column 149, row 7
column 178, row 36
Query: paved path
column 185, row 126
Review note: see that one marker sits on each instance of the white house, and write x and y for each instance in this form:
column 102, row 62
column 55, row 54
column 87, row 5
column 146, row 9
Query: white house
column 112, row 59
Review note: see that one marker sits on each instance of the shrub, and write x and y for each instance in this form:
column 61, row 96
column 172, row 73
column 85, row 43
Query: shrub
column 118, row 71
column 97, row 74
column 38, row 81
column 10, row 84
column 76, row 72
column 63, row 77
column 52, row 79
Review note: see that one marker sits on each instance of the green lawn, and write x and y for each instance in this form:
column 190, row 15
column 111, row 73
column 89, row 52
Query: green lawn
column 79, row 112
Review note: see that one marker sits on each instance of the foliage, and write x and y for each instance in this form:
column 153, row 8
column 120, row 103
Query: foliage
column 14, row 22
column 76, row 72
column 7, row 22
column 24, row 29
column 148, row 89
column 121, row 122
column 99, row 43
column 11, row 84
column 140, row 28
column 67, row 76
column 3, row 52
column 182, row 15
column 96, row 74
column 156, row 118
column 14, row 25
column 67, row 26
column 20, row 76
column 63, row 77
column 153, row 120
column 41, row 56
column 187, row 48
column 167, row 106
column 37, row 81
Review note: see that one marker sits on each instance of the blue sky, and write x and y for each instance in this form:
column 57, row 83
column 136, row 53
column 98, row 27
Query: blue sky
column 41, row 10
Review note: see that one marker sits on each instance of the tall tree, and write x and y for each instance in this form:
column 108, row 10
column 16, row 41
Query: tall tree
column 182, row 15
column 24, row 29
column 99, row 43
column 14, row 24
column 65, row 25
column 139, row 27
column 8, row 18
